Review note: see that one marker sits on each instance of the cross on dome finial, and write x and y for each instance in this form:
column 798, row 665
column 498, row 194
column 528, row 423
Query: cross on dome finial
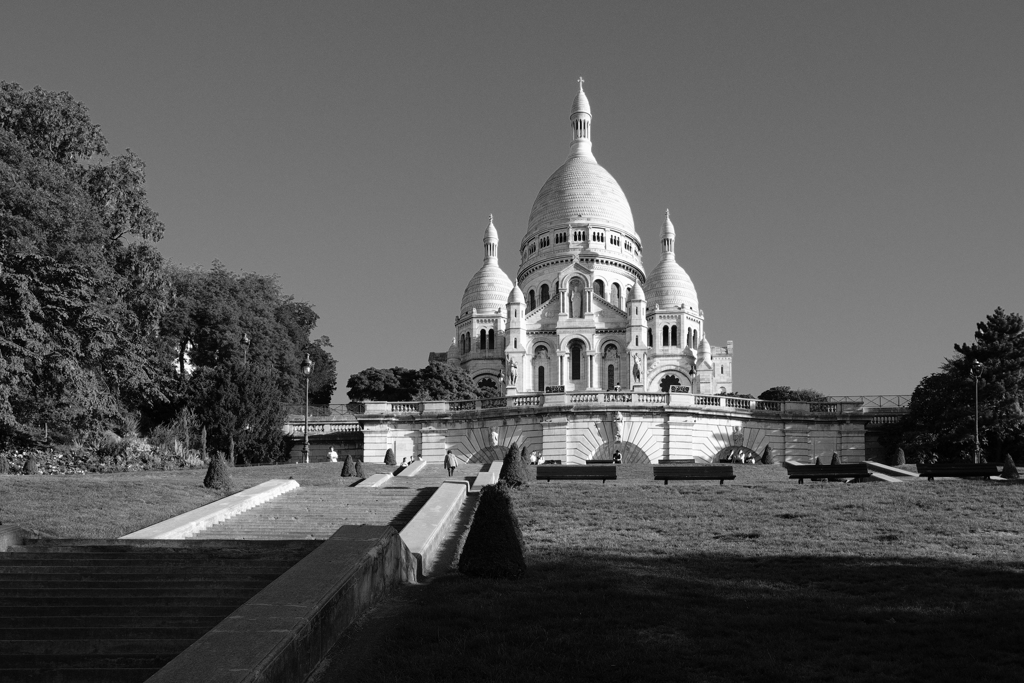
column 581, row 83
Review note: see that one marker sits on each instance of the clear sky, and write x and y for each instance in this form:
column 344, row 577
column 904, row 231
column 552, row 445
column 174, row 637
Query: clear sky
column 846, row 179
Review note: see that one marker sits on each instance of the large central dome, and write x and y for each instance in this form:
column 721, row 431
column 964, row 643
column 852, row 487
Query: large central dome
column 580, row 190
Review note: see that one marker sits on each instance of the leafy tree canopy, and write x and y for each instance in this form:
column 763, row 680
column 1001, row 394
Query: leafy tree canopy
column 92, row 320
column 941, row 414
column 436, row 382
column 787, row 394
column 81, row 286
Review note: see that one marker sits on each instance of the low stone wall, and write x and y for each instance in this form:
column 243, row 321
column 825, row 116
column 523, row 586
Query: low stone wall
column 425, row 532
column 283, row 633
column 11, row 535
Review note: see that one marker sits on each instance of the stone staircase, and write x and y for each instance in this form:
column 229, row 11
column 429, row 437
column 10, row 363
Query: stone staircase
column 117, row 611
column 433, row 475
column 316, row 512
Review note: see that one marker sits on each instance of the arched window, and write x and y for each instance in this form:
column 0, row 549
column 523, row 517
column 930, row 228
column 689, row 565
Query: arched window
column 599, row 288
column 617, row 292
column 650, row 338
column 576, row 353
column 490, row 339
column 544, row 293
column 533, row 300
column 483, row 340
column 487, row 383
column 675, row 336
column 664, row 335
column 611, row 377
column 540, row 378
column 689, row 336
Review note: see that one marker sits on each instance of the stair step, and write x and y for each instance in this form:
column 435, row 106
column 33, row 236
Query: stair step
column 55, row 647
column 103, row 675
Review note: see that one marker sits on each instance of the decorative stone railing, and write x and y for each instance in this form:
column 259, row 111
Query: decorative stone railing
column 598, row 399
column 296, row 427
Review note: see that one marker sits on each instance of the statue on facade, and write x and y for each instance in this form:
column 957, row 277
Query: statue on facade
column 513, row 370
column 618, row 427
column 494, row 437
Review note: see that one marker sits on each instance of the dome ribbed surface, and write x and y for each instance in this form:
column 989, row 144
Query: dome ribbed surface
column 581, row 103
column 488, row 290
column 516, row 296
column 670, row 287
column 580, row 190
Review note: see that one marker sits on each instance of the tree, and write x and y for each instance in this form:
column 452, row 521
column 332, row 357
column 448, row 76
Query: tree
column 494, row 545
column 81, row 287
column 784, row 393
column 941, row 413
column 436, row 382
column 241, row 405
column 513, row 471
column 218, row 476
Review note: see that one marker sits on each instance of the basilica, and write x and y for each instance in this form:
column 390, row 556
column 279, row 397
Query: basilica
column 583, row 315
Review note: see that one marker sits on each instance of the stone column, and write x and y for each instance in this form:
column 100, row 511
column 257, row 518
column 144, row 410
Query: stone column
column 376, row 440
column 553, row 435
column 433, row 441
column 679, row 430
column 590, row 370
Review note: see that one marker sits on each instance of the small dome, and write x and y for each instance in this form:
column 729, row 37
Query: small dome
column 636, row 293
column 668, row 230
column 516, row 295
column 704, row 348
column 491, row 233
column 487, row 291
column 670, row 286
column 580, row 105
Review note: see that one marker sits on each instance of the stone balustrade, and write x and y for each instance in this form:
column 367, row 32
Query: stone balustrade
column 615, row 400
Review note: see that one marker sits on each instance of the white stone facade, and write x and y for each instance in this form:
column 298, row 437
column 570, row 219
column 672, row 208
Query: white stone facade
column 583, row 314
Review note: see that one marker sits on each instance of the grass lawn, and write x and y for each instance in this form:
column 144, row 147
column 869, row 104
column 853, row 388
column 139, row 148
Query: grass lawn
column 762, row 579
column 112, row 505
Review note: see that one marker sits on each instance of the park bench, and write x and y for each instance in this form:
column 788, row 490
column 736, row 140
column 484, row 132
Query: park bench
column 693, row 472
column 853, row 470
column 958, row 469
column 601, row 462
column 568, row 472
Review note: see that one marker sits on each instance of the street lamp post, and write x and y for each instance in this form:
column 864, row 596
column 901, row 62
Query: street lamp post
column 307, row 369
column 976, row 373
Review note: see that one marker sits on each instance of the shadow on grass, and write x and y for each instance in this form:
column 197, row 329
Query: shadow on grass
column 710, row 617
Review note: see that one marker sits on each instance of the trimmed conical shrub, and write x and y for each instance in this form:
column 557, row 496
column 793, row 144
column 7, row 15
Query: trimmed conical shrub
column 360, row 472
column 349, row 470
column 217, row 474
column 817, row 460
column 513, row 471
column 31, row 465
column 389, row 458
column 494, row 545
column 899, row 458
column 1010, row 468
column 768, row 458
column 835, row 459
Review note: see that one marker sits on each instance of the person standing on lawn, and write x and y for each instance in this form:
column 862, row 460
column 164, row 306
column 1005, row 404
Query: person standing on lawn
column 450, row 463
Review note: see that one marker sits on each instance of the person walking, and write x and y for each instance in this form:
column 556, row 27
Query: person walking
column 450, row 463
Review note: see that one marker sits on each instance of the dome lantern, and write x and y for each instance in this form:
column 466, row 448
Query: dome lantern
column 579, row 118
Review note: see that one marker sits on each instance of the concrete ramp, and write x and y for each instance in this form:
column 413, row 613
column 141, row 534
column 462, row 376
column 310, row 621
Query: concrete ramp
column 894, row 473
